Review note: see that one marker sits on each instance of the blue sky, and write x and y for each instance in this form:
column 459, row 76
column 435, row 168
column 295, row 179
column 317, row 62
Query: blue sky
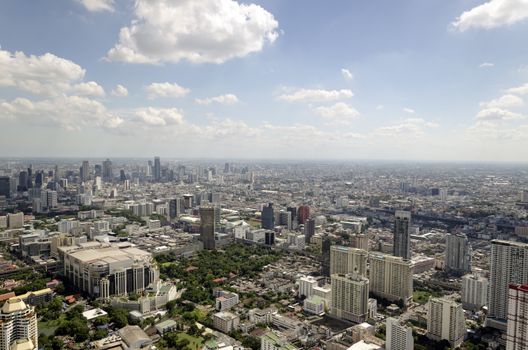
column 420, row 80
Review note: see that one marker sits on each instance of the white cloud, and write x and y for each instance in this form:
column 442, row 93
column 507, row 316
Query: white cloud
column 316, row 95
column 497, row 114
column 493, row 14
column 409, row 128
column 166, row 90
column 120, row 91
column 380, row 107
column 519, row 90
column 505, row 101
column 339, row 113
column 227, row 99
column 98, row 5
column 90, row 88
column 197, row 31
column 347, row 74
column 486, row 65
column 409, row 110
column 485, row 130
column 154, row 117
column 41, row 75
column 67, row 112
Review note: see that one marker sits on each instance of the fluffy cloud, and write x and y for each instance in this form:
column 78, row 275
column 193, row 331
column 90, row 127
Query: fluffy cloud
column 492, row 14
column 120, row 91
column 409, row 128
column 197, row 31
column 505, row 101
column 347, row 74
column 485, row 130
column 338, row 113
column 98, row 5
column 166, row 90
column 497, row 114
column 90, row 88
column 68, row 112
column 228, row 99
column 519, row 90
column 154, row 117
column 316, row 95
column 409, row 110
column 40, row 75
column 486, row 65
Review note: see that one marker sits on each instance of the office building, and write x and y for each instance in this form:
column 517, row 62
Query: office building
column 108, row 173
column 474, row 292
column 5, row 186
column 445, row 321
column 157, row 169
column 402, row 240
column 15, row 220
column 350, row 294
column 285, row 219
column 268, row 217
column 269, row 238
column 345, row 260
column 309, row 229
column 226, row 321
column 104, row 271
column 85, row 171
column 517, row 330
column 326, row 245
column 18, row 325
column 175, row 208
column 303, row 213
column 458, row 255
column 398, row 336
column 391, row 277
column 509, row 265
column 208, row 227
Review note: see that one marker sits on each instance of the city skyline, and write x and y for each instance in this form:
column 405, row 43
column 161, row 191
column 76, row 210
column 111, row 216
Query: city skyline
column 265, row 80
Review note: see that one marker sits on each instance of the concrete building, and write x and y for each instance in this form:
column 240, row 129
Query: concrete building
column 509, row 265
column 271, row 341
column 391, row 277
column 458, row 255
column 15, row 220
column 402, row 237
column 18, row 323
column 208, row 227
column 398, row 336
column 268, row 217
column 350, row 294
column 225, row 321
column 104, row 271
column 306, row 286
column 445, row 321
column 517, row 331
column 474, row 291
column 345, row 260
column 226, row 301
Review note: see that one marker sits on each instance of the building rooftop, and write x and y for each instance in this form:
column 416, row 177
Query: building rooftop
column 13, row 305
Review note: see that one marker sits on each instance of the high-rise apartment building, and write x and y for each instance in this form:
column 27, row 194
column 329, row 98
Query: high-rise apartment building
column 268, row 217
column 509, row 265
column 398, row 336
column 458, row 254
column 474, row 291
column 391, row 277
column 157, row 169
column 517, row 331
column 345, row 260
column 402, row 239
column 445, row 321
column 350, row 294
column 18, row 325
column 208, row 227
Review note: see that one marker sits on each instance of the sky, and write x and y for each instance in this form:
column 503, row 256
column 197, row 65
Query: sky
column 440, row 80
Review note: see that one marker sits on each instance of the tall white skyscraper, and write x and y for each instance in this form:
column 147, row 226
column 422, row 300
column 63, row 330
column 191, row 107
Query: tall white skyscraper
column 391, row 277
column 348, row 260
column 458, row 254
column 517, row 331
column 445, row 321
column 509, row 265
column 402, row 239
column 474, row 291
column 350, row 294
column 398, row 336
column 18, row 323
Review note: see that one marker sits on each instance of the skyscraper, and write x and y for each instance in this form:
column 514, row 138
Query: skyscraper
column 344, row 260
column 18, row 325
column 85, row 170
column 398, row 336
column 458, row 254
column 208, row 227
column 157, row 169
column 268, row 217
column 474, row 291
column 445, row 321
column 517, row 331
column 175, row 208
column 402, row 240
column 326, row 246
column 303, row 214
column 350, row 297
column 509, row 265
column 108, row 174
column 5, row 186
column 391, row 277
column 309, row 229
